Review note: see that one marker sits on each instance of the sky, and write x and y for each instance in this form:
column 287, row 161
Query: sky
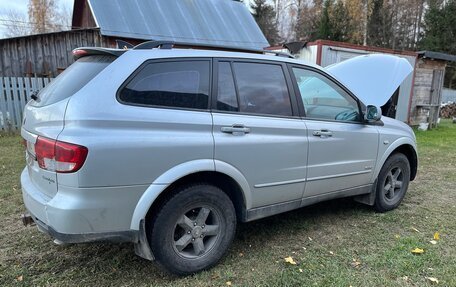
column 21, row 6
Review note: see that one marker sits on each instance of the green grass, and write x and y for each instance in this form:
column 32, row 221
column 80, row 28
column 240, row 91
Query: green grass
column 338, row 243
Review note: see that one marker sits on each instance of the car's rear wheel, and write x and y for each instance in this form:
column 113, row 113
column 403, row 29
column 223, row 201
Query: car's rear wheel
column 193, row 229
column 392, row 182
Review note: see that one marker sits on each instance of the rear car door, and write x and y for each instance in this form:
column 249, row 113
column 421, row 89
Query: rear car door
column 257, row 129
column 342, row 149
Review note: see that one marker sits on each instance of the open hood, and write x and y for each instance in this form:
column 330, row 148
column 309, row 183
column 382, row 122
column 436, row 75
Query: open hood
column 372, row 78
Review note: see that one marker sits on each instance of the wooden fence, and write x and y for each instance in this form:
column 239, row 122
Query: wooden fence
column 14, row 94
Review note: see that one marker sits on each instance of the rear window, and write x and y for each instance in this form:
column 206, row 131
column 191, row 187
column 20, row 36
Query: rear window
column 73, row 79
column 183, row 84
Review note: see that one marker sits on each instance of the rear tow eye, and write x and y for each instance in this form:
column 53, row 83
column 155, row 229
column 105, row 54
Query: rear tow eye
column 27, row 219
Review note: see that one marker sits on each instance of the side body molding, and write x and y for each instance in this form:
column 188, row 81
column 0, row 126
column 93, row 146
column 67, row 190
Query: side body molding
column 397, row 143
column 179, row 171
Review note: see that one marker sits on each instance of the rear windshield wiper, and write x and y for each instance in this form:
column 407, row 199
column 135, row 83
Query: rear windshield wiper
column 34, row 96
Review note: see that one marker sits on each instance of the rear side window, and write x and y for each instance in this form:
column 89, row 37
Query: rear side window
column 183, row 84
column 72, row 79
column 262, row 89
column 226, row 91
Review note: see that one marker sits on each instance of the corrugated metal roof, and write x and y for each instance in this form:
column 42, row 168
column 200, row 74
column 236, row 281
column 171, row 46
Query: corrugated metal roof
column 216, row 22
column 437, row 56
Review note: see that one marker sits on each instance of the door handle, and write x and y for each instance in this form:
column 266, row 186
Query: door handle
column 236, row 129
column 322, row 133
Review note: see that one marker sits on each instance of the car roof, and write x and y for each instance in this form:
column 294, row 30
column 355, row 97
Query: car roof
column 157, row 53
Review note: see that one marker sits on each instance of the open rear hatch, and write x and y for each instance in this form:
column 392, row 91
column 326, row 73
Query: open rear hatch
column 44, row 115
column 372, row 78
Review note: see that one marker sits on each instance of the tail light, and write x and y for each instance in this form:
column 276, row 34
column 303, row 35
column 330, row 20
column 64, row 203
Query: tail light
column 59, row 156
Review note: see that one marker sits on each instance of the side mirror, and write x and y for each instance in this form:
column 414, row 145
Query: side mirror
column 373, row 114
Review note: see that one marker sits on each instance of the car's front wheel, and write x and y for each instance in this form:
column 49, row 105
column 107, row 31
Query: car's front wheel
column 193, row 229
column 392, row 182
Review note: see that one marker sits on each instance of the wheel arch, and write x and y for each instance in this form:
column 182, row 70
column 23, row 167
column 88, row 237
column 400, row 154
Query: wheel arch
column 405, row 146
column 218, row 173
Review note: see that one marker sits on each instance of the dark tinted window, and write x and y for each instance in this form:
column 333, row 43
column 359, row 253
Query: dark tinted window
column 226, row 91
column 262, row 89
column 72, row 79
column 171, row 84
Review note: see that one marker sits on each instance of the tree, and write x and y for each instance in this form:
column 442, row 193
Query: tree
column 265, row 17
column 324, row 27
column 440, row 32
column 340, row 22
column 15, row 22
column 308, row 21
column 43, row 16
column 334, row 21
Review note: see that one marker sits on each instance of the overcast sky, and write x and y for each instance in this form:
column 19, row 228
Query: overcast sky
column 21, row 6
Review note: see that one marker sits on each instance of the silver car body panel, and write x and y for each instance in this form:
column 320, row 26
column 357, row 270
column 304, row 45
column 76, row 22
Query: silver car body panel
column 344, row 160
column 135, row 153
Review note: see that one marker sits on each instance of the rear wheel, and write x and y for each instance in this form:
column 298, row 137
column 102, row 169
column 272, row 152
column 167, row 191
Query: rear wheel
column 392, row 183
column 193, row 229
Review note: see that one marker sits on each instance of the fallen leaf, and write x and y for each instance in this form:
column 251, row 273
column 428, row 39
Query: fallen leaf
column 290, row 260
column 397, row 236
column 330, row 252
column 414, row 229
column 20, row 278
column 433, row 280
column 417, row 251
column 433, row 242
column 437, row 236
column 355, row 263
column 228, row 283
column 241, row 254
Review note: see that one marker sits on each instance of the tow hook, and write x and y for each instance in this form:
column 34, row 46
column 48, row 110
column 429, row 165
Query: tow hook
column 27, row 219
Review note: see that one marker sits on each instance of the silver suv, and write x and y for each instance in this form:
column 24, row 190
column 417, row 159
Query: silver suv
column 169, row 148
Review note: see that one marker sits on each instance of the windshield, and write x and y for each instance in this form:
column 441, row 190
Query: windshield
column 72, row 79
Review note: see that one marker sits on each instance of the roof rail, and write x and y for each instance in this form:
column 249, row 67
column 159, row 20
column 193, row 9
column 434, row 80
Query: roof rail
column 169, row 45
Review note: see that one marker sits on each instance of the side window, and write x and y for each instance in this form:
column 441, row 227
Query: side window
column 226, row 92
column 183, row 84
column 323, row 99
column 262, row 89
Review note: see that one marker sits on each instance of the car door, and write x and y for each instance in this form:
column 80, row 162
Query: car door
column 257, row 129
column 342, row 149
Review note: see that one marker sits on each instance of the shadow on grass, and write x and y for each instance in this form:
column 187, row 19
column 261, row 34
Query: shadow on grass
column 118, row 263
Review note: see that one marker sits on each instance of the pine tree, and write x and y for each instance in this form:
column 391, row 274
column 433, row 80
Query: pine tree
column 379, row 29
column 324, row 27
column 265, row 17
column 440, row 34
column 340, row 22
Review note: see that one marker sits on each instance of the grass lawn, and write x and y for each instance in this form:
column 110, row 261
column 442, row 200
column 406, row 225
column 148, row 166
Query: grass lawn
column 338, row 243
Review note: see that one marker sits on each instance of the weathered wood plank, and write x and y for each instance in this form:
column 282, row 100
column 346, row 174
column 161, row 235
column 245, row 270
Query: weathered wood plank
column 29, row 53
column 2, row 106
column 14, row 95
column 9, row 104
column 28, row 89
column 22, row 97
column 16, row 104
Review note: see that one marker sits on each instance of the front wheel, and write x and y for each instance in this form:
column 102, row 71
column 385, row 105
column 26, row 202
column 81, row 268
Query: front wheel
column 392, row 183
column 193, row 229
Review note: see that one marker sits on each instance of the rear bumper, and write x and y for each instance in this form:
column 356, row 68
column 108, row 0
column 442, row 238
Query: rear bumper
column 77, row 215
column 119, row 236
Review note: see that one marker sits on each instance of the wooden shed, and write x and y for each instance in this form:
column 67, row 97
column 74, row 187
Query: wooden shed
column 429, row 77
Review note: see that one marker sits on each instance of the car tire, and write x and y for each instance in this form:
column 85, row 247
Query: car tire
column 192, row 229
column 392, row 183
